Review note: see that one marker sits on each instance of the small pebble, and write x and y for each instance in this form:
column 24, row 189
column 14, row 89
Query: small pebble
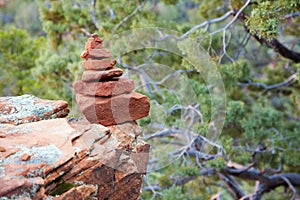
column 25, row 157
column 2, row 135
column 84, row 54
column 2, row 149
column 95, row 35
column 99, row 40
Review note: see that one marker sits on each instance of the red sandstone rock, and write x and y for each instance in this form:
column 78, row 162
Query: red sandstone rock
column 84, row 54
column 93, row 44
column 25, row 157
column 92, row 75
column 130, row 128
column 99, row 53
column 105, row 89
column 95, row 36
column 2, row 135
column 90, row 64
column 2, row 149
column 101, row 162
column 28, row 108
column 115, row 110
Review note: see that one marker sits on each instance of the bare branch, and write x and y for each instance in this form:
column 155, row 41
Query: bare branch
column 129, row 16
column 216, row 196
column 146, row 80
column 266, row 182
column 282, row 50
column 285, row 83
column 292, row 15
column 111, row 12
column 208, row 22
column 93, row 5
column 152, row 189
column 86, row 33
column 201, row 155
column 291, row 186
column 161, row 134
column 232, row 186
column 185, row 180
column 237, row 14
column 174, row 74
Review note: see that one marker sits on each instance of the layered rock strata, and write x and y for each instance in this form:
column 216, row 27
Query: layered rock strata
column 103, row 97
column 57, row 159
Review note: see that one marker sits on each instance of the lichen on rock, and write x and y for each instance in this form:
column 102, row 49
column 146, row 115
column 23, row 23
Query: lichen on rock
column 28, row 108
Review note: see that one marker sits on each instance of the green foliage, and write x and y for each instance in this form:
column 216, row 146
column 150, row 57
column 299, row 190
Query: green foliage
column 262, row 118
column 265, row 18
column 235, row 111
column 18, row 55
column 188, row 171
column 232, row 73
column 174, row 193
column 212, row 8
column 217, row 163
column 64, row 18
column 58, row 69
column 62, row 188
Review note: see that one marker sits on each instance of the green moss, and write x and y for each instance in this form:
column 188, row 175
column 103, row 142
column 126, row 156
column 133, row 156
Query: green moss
column 62, row 188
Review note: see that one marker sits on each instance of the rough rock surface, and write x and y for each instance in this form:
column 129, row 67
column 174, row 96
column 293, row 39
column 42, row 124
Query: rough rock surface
column 92, row 75
column 90, row 64
column 104, row 89
column 28, row 108
column 99, row 54
column 115, row 110
column 75, row 160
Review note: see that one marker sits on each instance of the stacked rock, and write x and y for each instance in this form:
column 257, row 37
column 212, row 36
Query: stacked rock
column 102, row 95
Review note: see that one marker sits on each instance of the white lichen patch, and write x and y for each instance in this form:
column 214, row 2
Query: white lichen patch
column 2, row 171
column 44, row 154
column 25, row 195
column 77, row 149
column 26, row 107
column 22, row 129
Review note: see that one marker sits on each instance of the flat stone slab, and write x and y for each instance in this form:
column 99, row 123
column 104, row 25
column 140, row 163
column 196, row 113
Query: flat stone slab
column 28, row 108
column 94, row 76
column 104, row 89
column 99, row 53
column 115, row 110
column 99, row 162
column 90, row 64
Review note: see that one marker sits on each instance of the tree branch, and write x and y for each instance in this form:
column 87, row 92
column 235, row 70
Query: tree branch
column 237, row 14
column 161, row 134
column 208, row 22
column 266, row 182
column 232, row 186
column 282, row 50
column 292, row 15
column 274, row 43
column 291, row 186
column 285, row 83
column 93, row 5
column 129, row 16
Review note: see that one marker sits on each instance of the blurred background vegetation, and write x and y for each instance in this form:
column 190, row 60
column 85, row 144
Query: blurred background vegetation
column 40, row 44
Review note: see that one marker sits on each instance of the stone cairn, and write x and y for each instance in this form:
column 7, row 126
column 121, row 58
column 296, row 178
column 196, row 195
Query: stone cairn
column 102, row 95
